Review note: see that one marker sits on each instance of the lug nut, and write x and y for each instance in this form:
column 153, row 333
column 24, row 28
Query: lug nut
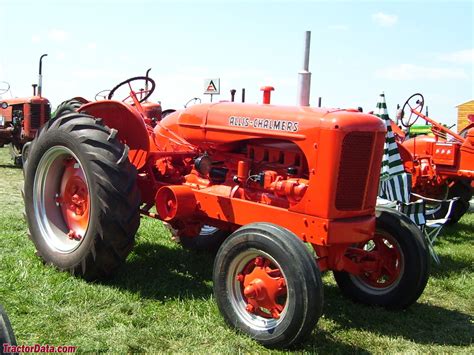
column 250, row 308
column 73, row 236
column 259, row 261
column 275, row 313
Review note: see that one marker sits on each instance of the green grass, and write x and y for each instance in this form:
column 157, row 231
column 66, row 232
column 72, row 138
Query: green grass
column 162, row 300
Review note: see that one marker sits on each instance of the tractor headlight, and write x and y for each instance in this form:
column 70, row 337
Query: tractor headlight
column 2, row 121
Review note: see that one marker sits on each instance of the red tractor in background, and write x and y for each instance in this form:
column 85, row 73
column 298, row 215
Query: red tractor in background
column 21, row 118
column 442, row 164
column 283, row 192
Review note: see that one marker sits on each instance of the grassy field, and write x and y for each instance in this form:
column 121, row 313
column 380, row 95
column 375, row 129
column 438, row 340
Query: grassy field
column 161, row 300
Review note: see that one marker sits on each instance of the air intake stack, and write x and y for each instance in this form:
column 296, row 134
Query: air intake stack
column 304, row 76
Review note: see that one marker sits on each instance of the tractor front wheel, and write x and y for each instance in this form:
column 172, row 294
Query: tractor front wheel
column 80, row 195
column 402, row 260
column 267, row 285
column 209, row 239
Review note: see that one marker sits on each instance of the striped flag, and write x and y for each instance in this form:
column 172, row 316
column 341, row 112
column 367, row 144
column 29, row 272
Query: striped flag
column 395, row 184
column 391, row 162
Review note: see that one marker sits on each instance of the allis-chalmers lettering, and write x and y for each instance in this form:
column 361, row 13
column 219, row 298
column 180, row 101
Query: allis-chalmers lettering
column 265, row 123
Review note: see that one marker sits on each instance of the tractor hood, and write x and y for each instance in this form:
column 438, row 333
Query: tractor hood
column 213, row 125
column 26, row 100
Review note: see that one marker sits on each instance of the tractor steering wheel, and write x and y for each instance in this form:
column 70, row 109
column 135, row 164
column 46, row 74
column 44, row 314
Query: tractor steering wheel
column 4, row 87
column 415, row 103
column 101, row 95
column 141, row 94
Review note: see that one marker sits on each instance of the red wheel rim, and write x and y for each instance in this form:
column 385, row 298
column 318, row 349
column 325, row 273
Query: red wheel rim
column 257, row 289
column 263, row 287
column 61, row 199
column 74, row 199
column 391, row 263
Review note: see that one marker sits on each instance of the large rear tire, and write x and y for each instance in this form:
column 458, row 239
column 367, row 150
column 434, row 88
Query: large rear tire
column 267, row 285
column 405, row 265
column 81, row 199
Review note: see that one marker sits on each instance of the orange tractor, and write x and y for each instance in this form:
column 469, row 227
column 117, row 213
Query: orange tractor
column 284, row 193
column 21, row 118
column 442, row 164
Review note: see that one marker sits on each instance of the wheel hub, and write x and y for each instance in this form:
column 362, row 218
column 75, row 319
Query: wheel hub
column 389, row 263
column 263, row 287
column 74, row 199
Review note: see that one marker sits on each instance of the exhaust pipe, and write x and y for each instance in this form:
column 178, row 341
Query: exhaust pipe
column 40, row 75
column 304, row 76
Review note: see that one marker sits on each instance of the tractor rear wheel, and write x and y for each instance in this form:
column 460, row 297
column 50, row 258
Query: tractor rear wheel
column 267, row 285
column 461, row 189
column 209, row 239
column 24, row 153
column 6, row 332
column 81, row 199
column 403, row 270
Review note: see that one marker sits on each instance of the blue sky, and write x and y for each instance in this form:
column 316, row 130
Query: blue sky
column 358, row 49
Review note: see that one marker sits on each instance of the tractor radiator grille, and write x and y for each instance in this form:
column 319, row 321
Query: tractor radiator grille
column 354, row 171
column 47, row 113
column 35, row 114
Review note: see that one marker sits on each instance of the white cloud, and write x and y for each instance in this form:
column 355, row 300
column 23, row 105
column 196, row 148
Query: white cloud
column 91, row 45
column 460, row 57
column 35, row 39
column 58, row 35
column 414, row 72
column 338, row 27
column 384, row 20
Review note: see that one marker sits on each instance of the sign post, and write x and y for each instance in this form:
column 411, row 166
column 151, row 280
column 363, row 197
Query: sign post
column 212, row 87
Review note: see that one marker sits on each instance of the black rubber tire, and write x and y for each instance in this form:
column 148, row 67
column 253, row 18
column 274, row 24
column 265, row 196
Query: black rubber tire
column 209, row 240
column 413, row 277
column 461, row 189
column 24, row 153
column 303, row 279
column 114, row 197
column 7, row 335
column 67, row 106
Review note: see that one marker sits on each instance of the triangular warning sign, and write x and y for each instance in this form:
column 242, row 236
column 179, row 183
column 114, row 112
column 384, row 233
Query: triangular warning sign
column 211, row 86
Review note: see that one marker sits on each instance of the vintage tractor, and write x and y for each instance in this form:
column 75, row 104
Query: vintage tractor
column 21, row 118
column 442, row 164
column 284, row 192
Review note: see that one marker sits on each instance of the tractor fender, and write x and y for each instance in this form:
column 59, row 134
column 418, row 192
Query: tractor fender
column 129, row 124
column 405, row 154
